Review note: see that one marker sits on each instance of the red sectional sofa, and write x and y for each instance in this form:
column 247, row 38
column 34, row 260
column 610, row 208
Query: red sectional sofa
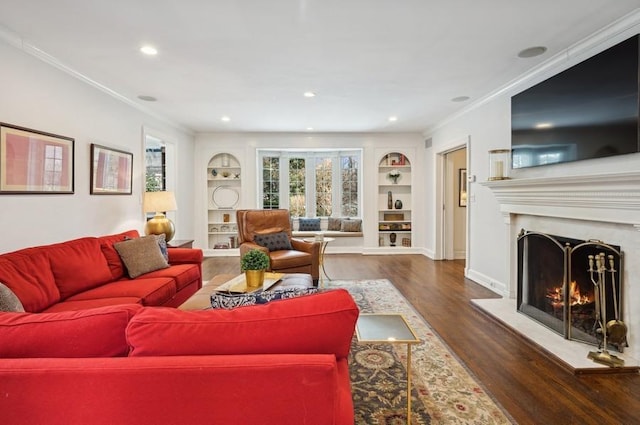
column 280, row 363
column 88, row 272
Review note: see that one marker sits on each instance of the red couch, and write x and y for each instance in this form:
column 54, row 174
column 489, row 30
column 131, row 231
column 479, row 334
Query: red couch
column 280, row 363
column 88, row 272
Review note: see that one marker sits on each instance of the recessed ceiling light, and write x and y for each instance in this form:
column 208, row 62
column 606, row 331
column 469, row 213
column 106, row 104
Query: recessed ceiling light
column 393, row 118
column 225, row 119
column 309, row 128
column 542, row 125
column 147, row 98
column 149, row 50
column 532, row 52
column 309, row 94
column 460, row 99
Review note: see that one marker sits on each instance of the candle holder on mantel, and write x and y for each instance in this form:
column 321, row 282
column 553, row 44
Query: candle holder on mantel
column 499, row 164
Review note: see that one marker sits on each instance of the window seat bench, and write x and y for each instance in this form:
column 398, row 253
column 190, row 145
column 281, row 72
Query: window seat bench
column 326, row 233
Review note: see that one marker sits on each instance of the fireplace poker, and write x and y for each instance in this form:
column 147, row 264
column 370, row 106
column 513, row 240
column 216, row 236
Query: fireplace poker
column 616, row 328
column 603, row 356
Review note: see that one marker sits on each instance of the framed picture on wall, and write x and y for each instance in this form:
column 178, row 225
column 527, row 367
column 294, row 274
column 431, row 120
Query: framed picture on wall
column 462, row 187
column 111, row 171
column 35, row 162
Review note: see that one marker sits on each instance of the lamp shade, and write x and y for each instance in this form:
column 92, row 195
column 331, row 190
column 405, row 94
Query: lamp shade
column 159, row 201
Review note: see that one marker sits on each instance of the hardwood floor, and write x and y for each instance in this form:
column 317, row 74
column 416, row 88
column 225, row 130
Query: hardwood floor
column 532, row 388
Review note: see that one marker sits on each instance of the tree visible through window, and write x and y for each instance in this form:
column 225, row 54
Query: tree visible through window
column 270, row 182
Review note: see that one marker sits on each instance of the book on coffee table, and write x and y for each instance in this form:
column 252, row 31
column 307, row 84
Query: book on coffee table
column 238, row 285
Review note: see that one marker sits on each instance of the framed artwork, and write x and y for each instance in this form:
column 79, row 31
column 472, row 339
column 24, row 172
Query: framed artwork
column 35, row 162
column 111, row 171
column 462, row 187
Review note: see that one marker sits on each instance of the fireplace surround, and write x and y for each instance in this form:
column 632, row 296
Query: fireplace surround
column 603, row 206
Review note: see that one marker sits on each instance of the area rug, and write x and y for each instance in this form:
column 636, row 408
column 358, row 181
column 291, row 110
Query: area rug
column 443, row 390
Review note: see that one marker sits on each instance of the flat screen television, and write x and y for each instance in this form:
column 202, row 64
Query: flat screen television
column 587, row 111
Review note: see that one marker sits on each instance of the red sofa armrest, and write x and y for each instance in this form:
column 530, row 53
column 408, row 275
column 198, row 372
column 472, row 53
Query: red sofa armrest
column 185, row 256
column 321, row 323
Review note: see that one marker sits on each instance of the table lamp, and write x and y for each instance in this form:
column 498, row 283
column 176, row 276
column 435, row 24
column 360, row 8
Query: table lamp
column 159, row 203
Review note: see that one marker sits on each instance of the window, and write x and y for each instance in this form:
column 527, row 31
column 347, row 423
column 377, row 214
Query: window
column 316, row 183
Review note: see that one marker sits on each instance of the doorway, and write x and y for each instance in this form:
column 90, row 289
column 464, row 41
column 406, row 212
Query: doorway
column 452, row 202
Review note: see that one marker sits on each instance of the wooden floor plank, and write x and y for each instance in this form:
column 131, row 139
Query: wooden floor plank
column 531, row 387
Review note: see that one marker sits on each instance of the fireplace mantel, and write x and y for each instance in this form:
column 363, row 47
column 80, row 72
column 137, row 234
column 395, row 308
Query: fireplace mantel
column 610, row 197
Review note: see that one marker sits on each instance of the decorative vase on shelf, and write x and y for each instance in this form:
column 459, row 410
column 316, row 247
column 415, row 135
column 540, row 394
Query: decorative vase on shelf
column 392, row 238
column 389, row 200
column 398, row 204
column 225, row 160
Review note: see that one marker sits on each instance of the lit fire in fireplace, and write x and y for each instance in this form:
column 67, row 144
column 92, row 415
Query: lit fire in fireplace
column 556, row 296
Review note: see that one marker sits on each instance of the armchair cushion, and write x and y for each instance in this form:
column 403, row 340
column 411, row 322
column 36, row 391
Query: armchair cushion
column 308, row 224
column 274, row 241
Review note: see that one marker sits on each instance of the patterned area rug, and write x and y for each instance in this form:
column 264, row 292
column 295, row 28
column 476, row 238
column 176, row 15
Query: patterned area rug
column 443, row 392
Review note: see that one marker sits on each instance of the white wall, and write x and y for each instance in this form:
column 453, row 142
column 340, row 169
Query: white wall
column 487, row 124
column 38, row 96
column 244, row 145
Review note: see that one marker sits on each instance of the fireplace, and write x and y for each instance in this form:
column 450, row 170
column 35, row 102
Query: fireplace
column 573, row 287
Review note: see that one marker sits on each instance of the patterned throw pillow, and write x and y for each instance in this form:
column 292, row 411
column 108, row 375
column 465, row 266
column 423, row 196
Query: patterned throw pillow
column 352, row 225
column 308, row 224
column 228, row 301
column 335, row 224
column 9, row 301
column 273, row 241
column 141, row 255
column 162, row 243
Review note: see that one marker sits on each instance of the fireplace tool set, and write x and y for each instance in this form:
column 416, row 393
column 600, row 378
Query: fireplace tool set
column 613, row 331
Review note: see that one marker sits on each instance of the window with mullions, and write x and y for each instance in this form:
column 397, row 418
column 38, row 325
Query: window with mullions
column 312, row 183
column 270, row 182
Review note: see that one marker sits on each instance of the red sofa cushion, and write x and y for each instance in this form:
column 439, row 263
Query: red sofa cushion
column 28, row 274
column 322, row 323
column 113, row 258
column 149, row 291
column 98, row 332
column 182, row 274
column 78, row 265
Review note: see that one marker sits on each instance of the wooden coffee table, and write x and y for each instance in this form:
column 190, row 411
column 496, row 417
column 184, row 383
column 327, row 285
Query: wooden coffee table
column 201, row 300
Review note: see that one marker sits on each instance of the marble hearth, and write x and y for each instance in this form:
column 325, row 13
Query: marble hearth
column 604, row 207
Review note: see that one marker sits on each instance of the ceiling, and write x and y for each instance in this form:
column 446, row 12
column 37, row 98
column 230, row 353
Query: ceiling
column 252, row 60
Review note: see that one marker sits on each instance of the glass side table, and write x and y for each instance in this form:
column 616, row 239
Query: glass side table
column 388, row 329
column 324, row 241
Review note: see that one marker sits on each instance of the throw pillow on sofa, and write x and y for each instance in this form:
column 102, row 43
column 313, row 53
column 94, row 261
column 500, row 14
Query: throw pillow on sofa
column 95, row 332
column 141, row 255
column 227, row 301
column 9, row 301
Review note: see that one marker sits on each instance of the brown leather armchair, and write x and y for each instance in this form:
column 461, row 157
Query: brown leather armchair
column 304, row 257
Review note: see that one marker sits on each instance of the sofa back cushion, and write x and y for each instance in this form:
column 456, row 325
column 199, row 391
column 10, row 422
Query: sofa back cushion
column 322, row 323
column 28, row 274
column 97, row 332
column 113, row 258
column 78, row 265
